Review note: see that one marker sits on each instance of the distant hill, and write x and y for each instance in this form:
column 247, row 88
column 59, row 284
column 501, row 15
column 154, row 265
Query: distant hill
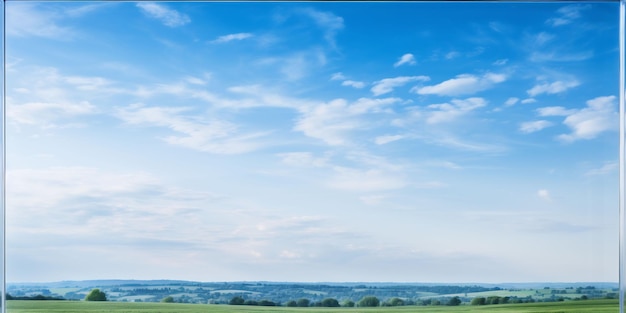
column 134, row 282
column 279, row 293
column 103, row 283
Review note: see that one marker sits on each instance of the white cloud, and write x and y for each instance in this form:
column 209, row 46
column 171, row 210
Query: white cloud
column 167, row 16
column 231, row 37
column 544, row 194
column 87, row 83
column 542, row 38
column 446, row 112
column 511, row 101
column 381, row 140
column 552, row 88
column 44, row 97
column 333, row 121
column 408, row 59
column 501, row 62
column 328, row 21
column 534, row 126
column 462, row 84
column 555, row 111
column 29, row 19
column 353, row 83
column 553, row 56
column 195, row 80
column 85, row 9
column 387, row 85
column 452, row 55
column 53, row 186
column 338, row 76
column 567, row 15
column 599, row 116
column 608, row 167
column 300, row 64
column 528, row 100
column 212, row 136
column 45, row 114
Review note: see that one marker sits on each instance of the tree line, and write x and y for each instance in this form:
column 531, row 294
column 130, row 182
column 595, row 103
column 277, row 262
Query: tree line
column 367, row 301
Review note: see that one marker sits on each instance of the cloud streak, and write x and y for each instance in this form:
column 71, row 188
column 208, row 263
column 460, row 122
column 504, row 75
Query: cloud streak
column 552, row 88
column 232, row 37
column 213, row 136
column 463, row 84
column 165, row 15
column 387, row 85
column 407, row 59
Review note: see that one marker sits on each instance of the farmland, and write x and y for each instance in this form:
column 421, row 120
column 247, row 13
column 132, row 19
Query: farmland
column 281, row 293
column 595, row 306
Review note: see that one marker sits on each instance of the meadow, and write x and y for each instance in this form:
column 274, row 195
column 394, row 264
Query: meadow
column 595, row 306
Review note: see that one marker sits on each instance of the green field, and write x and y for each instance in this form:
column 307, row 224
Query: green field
column 591, row 306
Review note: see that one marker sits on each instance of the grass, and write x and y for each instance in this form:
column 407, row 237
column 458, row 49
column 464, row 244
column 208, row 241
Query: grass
column 590, row 306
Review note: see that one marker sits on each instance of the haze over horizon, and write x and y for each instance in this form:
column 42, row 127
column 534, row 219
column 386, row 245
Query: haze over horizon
column 317, row 141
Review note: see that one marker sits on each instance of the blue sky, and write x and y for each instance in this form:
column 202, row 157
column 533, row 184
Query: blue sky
column 413, row 142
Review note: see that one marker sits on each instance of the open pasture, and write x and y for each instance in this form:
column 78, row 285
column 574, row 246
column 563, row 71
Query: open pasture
column 591, row 306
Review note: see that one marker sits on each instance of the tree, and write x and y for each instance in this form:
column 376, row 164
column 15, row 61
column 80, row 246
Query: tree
column 479, row 301
column 266, row 303
column 330, row 303
column 96, row 295
column 348, row 303
column 454, row 301
column 292, row 303
column 396, row 302
column 167, row 299
column 493, row 300
column 236, row 301
column 303, row 303
column 369, row 301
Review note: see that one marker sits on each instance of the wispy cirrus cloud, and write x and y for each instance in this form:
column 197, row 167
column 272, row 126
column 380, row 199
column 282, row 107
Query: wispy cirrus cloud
column 387, row 85
column 48, row 114
column 534, row 126
column 165, row 15
column 232, row 37
column 328, row 21
column 447, row 112
column 560, row 56
column 511, row 101
column 338, row 76
column 352, row 83
column 555, row 87
column 555, row 111
column 567, row 14
column 382, row 140
column 408, row 59
column 463, row 84
column 45, row 98
column 333, row 121
column 213, row 136
column 29, row 19
column 606, row 168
